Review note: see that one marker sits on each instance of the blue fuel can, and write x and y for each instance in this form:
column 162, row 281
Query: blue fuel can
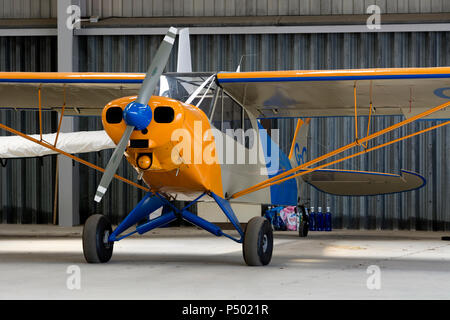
column 312, row 220
column 328, row 224
column 319, row 220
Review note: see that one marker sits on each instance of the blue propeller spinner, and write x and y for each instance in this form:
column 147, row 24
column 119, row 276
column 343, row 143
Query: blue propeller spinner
column 138, row 115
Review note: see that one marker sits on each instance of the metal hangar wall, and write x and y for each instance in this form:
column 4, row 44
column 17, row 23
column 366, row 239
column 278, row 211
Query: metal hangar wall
column 27, row 185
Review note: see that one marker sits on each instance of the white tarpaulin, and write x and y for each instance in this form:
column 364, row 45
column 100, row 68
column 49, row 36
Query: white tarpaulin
column 71, row 142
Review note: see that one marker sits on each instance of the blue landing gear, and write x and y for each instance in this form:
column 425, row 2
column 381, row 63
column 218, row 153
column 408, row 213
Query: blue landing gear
column 98, row 238
column 96, row 245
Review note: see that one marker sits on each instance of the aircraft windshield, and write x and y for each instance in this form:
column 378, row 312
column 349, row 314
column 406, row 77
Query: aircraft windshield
column 181, row 86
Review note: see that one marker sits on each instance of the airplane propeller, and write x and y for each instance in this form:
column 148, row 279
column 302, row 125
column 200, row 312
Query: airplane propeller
column 137, row 114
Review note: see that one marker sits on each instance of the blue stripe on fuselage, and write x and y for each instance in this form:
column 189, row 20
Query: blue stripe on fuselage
column 336, row 78
column 284, row 193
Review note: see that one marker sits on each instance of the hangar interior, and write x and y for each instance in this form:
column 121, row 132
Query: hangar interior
column 387, row 234
column 121, row 36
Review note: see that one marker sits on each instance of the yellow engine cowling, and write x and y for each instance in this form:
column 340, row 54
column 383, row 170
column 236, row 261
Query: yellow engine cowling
column 151, row 150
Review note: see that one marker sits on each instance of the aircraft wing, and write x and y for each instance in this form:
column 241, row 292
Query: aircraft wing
column 83, row 93
column 396, row 91
column 363, row 183
column 71, row 142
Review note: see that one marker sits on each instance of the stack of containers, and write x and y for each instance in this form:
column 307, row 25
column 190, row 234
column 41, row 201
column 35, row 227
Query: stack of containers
column 318, row 221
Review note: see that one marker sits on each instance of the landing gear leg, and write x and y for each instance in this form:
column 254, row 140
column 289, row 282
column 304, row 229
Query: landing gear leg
column 96, row 245
column 258, row 242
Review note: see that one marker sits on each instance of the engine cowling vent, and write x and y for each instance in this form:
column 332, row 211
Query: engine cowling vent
column 163, row 114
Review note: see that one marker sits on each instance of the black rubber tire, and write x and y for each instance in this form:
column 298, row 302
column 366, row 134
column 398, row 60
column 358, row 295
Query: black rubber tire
column 304, row 225
column 257, row 246
column 94, row 247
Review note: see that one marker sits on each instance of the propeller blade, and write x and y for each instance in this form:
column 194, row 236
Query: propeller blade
column 113, row 164
column 138, row 114
column 157, row 67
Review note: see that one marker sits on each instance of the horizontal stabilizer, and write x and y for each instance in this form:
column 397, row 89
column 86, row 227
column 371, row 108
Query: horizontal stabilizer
column 70, row 142
column 363, row 183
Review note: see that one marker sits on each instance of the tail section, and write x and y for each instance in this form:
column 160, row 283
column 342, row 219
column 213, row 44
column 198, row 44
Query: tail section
column 184, row 62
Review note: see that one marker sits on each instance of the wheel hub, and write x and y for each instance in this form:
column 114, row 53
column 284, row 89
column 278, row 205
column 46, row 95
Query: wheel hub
column 265, row 243
column 106, row 239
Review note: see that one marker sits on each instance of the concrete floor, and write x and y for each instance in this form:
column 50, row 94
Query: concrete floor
column 187, row 263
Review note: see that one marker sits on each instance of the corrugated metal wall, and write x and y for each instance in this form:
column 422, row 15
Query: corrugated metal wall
column 35, row 9
column 27, row 185
column 158, row 8
column 272, row 52
column 155, row 8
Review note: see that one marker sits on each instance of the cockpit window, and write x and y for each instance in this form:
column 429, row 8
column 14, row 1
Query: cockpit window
column 215, row 116
column 229, row 117
column 232, row 114
column 181, row 86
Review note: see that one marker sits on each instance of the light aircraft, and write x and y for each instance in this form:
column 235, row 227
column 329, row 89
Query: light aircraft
column 197, row 109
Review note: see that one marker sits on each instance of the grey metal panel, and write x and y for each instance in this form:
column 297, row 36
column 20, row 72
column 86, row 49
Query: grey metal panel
column 199, row 8
column 188, row 8
column 27, row 185
column 157, row 8
column 15, row 9
column 209, row 8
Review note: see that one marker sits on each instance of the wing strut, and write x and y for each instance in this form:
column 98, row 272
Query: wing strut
column 299, row 124
column 356, row 116
column 293, row 172
column 40, row 111
column 60, row 116
column 40, row 115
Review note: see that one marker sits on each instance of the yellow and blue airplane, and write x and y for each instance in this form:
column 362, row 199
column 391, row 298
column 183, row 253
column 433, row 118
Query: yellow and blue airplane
column 201, row 107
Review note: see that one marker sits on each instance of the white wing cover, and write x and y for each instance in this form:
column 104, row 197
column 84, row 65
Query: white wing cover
column 71, row 142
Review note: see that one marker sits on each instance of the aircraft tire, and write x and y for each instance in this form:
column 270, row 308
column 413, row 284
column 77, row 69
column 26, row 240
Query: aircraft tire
column 95, row 231
column 303, row 227
column 257, row 246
